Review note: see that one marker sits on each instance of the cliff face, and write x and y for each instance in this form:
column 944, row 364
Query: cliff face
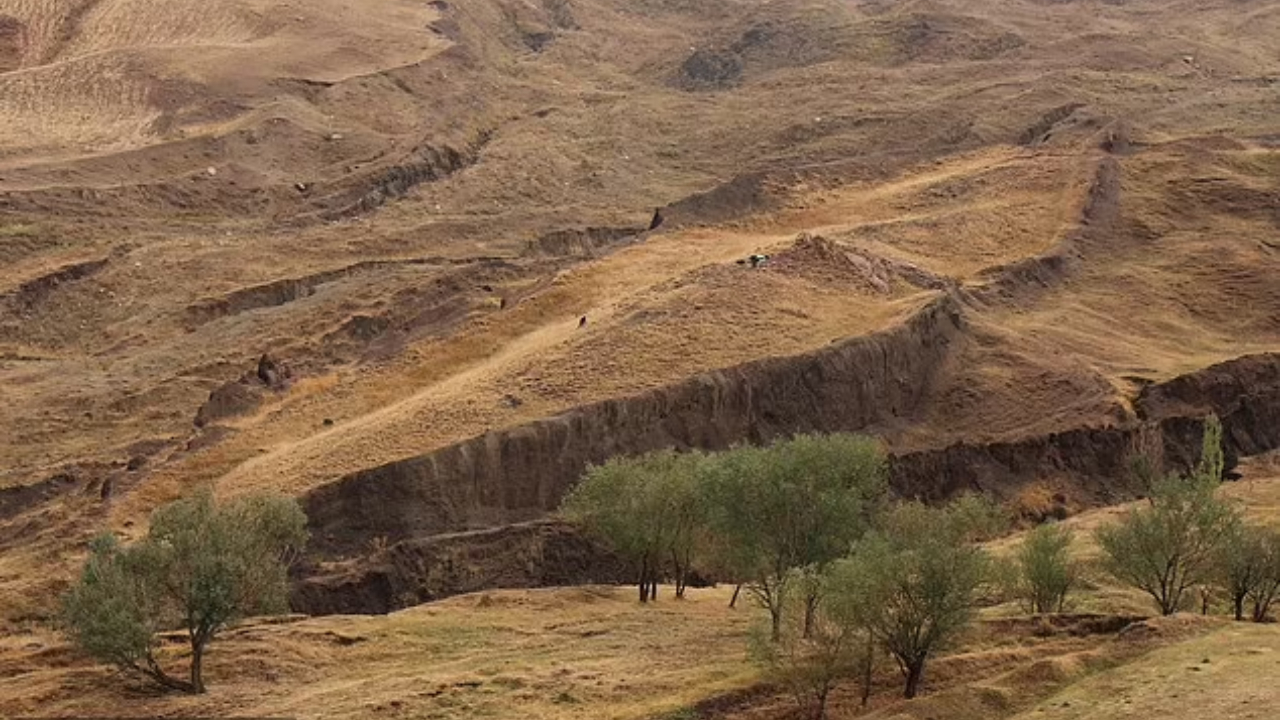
column 521, row 473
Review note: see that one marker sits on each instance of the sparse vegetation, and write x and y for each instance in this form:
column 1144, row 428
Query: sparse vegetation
column 816, row 650
column 916, row 584
column 1046, row 574
column 1172, row 545
column 200, row 566
column 1264, row 592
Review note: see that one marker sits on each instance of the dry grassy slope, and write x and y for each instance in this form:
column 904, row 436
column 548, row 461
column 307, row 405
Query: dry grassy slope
column 591, row 126
column 594, row 652
column 100, row 76
column 945, row 134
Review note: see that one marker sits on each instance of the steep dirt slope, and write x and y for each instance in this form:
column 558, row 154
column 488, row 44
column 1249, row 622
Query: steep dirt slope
column 409, row 207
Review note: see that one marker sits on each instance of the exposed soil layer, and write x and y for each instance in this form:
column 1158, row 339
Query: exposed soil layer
column 521, row 474
column 524, row 555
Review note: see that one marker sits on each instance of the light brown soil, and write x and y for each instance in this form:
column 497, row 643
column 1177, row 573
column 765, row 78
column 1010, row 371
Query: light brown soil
column 185, row 186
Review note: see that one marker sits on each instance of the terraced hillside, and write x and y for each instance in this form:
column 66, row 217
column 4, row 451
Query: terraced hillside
column 346, row 253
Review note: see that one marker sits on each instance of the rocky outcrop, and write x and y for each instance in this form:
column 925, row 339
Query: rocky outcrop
column 536, row 554
column 581, row 242
column 1096, row 224
column 244, row 395
column 427, row 163
column 1096, row 464
column 1244, row 393
column 521, row 473
column 36, row 291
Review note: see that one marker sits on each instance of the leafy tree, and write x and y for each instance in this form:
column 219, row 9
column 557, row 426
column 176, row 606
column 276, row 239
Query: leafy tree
column 1265, row 592
column 1172, row 544
column 1046, row 572
column 1242, row 564
column 649, row 510
column 1212, row 463
column 915, row 590
column 200, row 566
column 798, row 503
column 810, row 662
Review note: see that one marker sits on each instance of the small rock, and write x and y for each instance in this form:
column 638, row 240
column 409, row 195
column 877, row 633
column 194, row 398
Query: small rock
column 212, row 171
column 328, row 422
column 335, row 136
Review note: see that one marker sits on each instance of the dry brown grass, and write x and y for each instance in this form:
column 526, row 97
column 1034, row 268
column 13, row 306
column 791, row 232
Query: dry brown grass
column 901, row 130
column 565, row 653
column 595, row 652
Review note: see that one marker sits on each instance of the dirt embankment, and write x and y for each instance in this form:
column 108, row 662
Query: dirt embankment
column 521, row 473
column 544, row 553
column 414, row 508
column 1095, row 224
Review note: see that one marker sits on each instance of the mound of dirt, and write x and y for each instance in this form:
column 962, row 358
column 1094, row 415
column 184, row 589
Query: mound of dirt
column 246, row 394
column 709, row 70
column 823, row 260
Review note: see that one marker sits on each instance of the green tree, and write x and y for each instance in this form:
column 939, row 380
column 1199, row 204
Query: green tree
column 1265, row 592
column 916, row 584
column 1046, row 572
column 1172, row 544
column 1241, row 564
column 797, row 503
column 648, row 508
column 809, row 662
column 200, row 566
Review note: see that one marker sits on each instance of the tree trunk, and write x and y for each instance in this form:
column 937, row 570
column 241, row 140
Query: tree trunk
column 775, row 619
column 810, row 610
column 866, row 669
column 1239, row 606
column 733, row 601
column 1260, row 608
column 821, row 712
column 644, row 580
column 197, row 665
column 681, row 572
column 653, row 589
column 154, row 671
column 915, row 673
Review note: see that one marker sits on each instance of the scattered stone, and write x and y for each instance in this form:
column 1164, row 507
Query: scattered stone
column 212, row 171
column 328, row 422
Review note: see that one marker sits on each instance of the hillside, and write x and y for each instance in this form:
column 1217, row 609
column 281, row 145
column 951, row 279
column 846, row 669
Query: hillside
column 590, row 652
column 346, row 254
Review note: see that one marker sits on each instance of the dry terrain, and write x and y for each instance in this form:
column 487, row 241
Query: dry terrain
column 1022, row 241
column 594, row 652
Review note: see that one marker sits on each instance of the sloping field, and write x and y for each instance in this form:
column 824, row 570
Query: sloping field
column 595, row 652
column 347, row 250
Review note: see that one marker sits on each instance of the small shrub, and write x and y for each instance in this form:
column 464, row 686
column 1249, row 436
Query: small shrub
column 1046, row 572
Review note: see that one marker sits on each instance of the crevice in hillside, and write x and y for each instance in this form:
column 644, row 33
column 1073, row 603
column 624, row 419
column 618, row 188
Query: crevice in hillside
column 426, row 164
column 36, row 291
